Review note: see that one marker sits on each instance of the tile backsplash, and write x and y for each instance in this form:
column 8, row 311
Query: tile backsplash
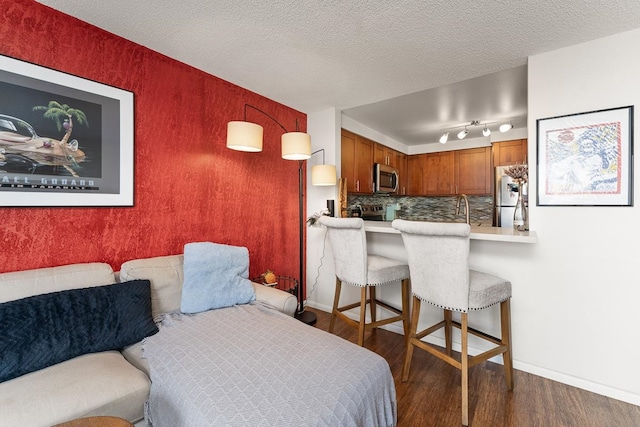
column 431, row 208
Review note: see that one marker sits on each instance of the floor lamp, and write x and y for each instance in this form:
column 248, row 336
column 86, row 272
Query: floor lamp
column 247, row 136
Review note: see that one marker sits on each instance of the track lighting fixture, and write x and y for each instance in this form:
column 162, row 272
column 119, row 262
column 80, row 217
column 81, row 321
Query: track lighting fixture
column 485, row 132
column 506, row 127
column 444, row 138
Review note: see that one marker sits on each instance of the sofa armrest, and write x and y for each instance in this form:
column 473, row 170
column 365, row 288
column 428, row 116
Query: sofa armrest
column 281, row 300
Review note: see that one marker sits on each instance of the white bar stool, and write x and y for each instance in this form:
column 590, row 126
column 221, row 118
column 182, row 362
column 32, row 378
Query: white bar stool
column 356, row 267
column 440, row 275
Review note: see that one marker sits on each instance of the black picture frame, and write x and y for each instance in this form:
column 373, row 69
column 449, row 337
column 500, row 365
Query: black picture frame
column 64, row 140
column 586, row 159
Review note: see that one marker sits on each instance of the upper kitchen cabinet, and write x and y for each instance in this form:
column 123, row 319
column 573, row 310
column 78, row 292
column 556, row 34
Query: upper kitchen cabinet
column 387, row 156
column 357, row 162
column 506, row 153
column 473, row 171
column 450, row 172
column 415, row 175
column 401, row 165
column 438, row 173
column 380, row 154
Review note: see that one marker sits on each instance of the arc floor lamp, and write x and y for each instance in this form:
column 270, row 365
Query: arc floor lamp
column 247, row 136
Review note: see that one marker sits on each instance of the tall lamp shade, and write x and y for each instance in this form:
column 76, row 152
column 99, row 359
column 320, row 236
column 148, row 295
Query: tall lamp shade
column 323, row 175
column 244, row 136
column 296, row 146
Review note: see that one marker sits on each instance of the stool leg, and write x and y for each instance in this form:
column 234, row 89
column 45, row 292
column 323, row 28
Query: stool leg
column 372, row 302
column 363, row 315
column 464, row 370
column 412, row 333
column 336, row 300
column 507, row 357
column 447, row 330
column 406, row 312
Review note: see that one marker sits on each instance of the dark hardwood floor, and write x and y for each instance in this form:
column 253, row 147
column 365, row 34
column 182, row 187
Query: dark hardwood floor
column 431, row 397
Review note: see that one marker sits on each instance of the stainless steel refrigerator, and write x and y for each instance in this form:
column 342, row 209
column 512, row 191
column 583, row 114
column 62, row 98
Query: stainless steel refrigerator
column 505, row 197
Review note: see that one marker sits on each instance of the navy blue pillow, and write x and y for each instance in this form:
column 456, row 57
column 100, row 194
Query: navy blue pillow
column 42, row 330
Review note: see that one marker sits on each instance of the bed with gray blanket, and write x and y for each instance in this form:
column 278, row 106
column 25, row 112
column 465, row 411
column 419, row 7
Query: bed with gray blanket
column 225, row 359
column 250, row 365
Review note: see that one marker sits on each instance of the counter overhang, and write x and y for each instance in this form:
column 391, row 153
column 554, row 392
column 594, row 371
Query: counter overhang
column 496, row 234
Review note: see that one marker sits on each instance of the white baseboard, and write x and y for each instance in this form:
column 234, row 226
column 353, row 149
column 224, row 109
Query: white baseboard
column 580, row 383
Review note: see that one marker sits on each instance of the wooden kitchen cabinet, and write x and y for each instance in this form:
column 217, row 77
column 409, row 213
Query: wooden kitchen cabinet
column 439, row 177
column 450, row 173
column 387, row 156
column 415, row 174
column 473, row 171
column 507, row 153
column 380, row 154
column 357, row 162
column 401, row 165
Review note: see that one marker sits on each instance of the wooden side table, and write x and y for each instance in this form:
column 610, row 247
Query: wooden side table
column 97, row 422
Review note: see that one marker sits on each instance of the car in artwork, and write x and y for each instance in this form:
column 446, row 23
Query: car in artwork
column 22, row 147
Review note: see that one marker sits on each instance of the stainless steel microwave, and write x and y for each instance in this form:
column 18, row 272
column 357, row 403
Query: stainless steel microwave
column 385, row 178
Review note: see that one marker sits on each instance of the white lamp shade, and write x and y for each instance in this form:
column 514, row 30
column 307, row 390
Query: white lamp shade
column 323, row 175
column 462, row 134
column 444, row 138
column 244, row 136
column 486, row 131
column 296, row 146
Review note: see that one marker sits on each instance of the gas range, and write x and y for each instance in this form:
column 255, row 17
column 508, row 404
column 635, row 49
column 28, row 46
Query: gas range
column 372, row 212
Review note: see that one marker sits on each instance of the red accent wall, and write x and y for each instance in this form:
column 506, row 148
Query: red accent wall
column 188, row 186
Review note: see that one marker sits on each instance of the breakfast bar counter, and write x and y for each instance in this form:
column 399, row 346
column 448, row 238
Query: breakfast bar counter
column 496, row 234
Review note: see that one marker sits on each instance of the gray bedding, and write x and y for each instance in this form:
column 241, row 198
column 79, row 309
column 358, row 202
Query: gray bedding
column 250, row 365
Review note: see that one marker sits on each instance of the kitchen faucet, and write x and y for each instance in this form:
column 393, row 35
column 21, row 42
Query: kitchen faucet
column 466, row 206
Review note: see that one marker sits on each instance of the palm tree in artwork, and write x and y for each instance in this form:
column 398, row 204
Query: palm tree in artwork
column 63, row 116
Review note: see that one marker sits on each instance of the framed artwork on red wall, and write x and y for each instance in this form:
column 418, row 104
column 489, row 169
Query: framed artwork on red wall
column 64, row 140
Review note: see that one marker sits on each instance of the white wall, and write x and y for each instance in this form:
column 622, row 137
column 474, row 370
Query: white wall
column 358, row 128
column 576, row 291
column 324, row 128
column 586, row 283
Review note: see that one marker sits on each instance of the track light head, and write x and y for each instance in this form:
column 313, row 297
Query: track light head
column 463, row 133
column 486, row 131
column 444, row 138
column 506, row 127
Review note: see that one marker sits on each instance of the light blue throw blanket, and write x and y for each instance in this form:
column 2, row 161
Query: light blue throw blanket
column 215, row 276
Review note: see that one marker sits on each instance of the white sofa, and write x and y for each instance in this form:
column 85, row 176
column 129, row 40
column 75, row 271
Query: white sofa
column 106, row 383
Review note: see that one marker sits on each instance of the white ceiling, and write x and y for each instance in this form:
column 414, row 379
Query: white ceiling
column 406, row 68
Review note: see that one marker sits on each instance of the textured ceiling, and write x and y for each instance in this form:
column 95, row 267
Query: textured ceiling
column 312, row 55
